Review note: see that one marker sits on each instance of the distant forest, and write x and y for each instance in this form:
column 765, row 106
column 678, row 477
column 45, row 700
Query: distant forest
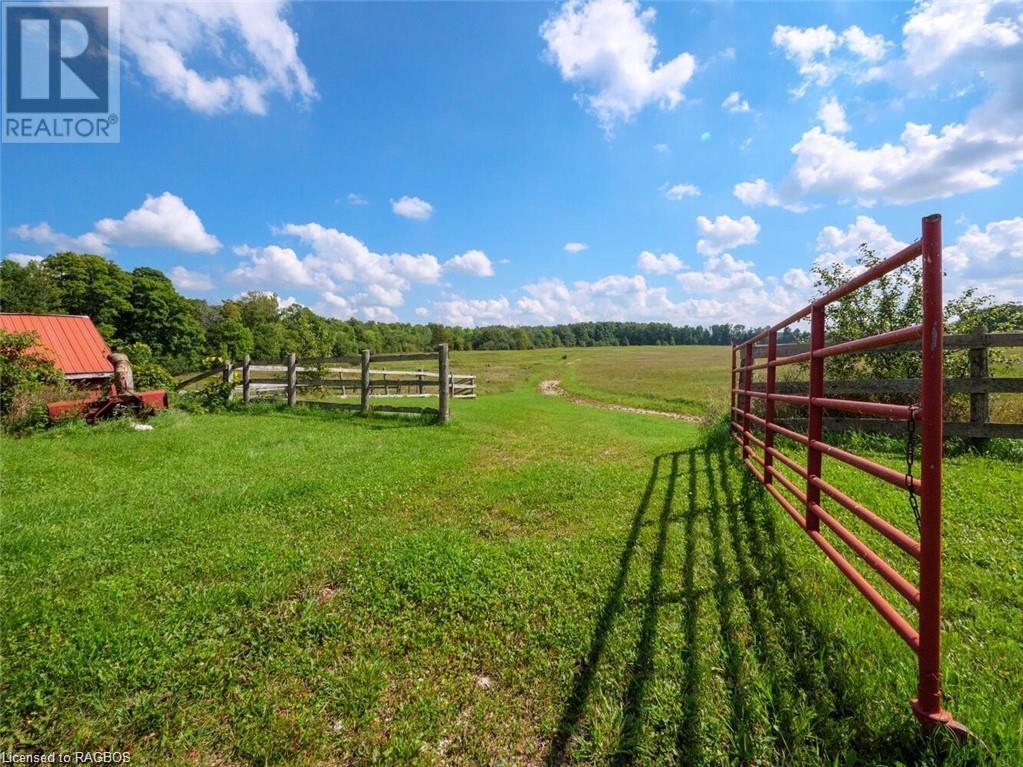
column 143, row 307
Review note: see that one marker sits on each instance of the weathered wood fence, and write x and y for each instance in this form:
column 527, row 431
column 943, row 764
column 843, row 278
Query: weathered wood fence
column 979, row 385
column 339, row 374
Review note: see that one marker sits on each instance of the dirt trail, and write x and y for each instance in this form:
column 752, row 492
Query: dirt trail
column 553, row 389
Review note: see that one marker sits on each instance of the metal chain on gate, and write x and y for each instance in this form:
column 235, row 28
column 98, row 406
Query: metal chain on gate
column 910, row 450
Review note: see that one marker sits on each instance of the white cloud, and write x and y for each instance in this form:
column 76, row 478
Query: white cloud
column 822, row 54
column 169, row 42
column 412, row 207
column 271, row 265
column 725, row 232
column 354, row 198
column 24, row 259
column 797, row 279
column 163, row 221
column 474, row 262
column 662, row 148
column 723, row 272
column 679, row 191
column 651, row 263
column 606, row 48
column 944, row 45
column 575, row 247
column 832, row 116
column 472, row 312
column 43, row 234
column 989, row 259
column 187, row 280
column 735, row 103
column 835, row 245
column 351, row 279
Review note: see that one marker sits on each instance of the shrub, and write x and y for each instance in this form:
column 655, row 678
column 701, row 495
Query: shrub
column 28, row 380
column 148, row 373
column 211, row 398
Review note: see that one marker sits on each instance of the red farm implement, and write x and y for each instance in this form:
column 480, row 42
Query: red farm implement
column 110, row 405
column 759, row 453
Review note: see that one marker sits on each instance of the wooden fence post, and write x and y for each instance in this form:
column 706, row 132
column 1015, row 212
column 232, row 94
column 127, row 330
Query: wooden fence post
column 246, row 378
column 226, row 375
column 292, row 380
column 443, row 384
column 980, row 402
column 420, row 377
column 365, row 381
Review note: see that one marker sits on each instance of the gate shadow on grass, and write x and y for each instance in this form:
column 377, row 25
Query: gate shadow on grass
column 787, row 696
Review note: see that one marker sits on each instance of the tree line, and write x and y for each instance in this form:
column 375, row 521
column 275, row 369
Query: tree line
column 142, row 306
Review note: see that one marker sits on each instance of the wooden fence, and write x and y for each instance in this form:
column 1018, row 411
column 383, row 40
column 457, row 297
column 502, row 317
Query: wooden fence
column 979, row 385
column 338, row 374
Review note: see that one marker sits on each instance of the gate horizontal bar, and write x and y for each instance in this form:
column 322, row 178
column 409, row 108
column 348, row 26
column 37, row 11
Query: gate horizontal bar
column 885, row 570
column 910, row 333
column 894, row 617
column 879, row 269
column 875, row 469
column 883, row 526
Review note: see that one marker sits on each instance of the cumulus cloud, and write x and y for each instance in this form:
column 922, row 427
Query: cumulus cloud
column 476, row 311
column 821, row 54
column 837, row 245
column 412, row 207
column 606, row 49
column 662, row 148
column 474, row 262
column 163, row 221
column 351, row 279
column 354, row 198
column 188, row 281
column 943, row 43
column 725, row 232
column 832, row 116
column 575, row 247
column 989, row 259
column 680, row 191
column 271, row 265
column 43, row 234
column 651, row 263
column 23, row 259
column 172, row 43
column 719, row 273
column 735, row 103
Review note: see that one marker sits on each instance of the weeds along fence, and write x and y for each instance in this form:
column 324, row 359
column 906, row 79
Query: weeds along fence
column 801, row 489
column 344, row 377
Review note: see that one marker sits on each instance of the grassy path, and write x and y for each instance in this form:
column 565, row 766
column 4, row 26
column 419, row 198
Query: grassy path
column 539, row 583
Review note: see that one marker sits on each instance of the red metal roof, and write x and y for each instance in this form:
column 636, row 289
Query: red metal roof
column 72, row 341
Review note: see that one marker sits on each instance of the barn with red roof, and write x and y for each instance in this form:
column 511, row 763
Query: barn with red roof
column 71, row 341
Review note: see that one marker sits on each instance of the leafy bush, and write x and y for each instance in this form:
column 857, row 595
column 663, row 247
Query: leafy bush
column 28, row 380
column 148, row 373
column 211, row 398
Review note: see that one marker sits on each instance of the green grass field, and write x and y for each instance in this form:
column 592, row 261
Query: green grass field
column 540, row 582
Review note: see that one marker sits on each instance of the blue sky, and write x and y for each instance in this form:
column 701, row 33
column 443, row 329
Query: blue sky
column 433, row 161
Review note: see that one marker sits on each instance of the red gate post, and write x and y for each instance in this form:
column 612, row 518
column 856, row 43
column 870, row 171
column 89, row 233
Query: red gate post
column 814, row 418
column 927, row 704
column 747, row 385
column 772, row 353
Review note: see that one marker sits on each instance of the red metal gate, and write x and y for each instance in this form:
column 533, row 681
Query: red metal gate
column 925, row 598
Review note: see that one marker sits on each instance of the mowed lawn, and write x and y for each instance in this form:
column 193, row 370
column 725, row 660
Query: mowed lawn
column 540, row 582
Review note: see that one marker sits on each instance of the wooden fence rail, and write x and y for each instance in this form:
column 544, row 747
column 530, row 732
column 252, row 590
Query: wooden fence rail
column 979, row 385
column 268, row 376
